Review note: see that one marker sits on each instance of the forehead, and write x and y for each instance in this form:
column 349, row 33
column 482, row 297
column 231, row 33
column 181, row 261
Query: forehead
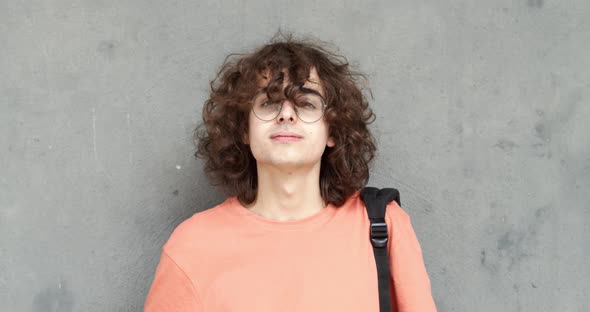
column 312, row 82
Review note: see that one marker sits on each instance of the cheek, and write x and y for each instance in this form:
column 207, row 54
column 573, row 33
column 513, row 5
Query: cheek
column 321, row 133
column 254, row 136
column 251, row 128
column 318, row 142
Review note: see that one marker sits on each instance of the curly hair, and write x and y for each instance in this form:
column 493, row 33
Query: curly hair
column 229, row 162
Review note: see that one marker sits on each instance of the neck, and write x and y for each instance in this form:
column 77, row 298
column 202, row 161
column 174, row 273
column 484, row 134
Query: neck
column 287, row 193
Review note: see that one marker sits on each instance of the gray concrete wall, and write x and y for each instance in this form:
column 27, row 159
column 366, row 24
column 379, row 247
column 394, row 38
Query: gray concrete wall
column 483, row 123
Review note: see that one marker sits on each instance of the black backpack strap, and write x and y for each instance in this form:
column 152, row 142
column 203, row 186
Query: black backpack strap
column 376, row 202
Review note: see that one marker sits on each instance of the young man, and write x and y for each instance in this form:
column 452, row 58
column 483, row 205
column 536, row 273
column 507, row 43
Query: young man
column 285, row 135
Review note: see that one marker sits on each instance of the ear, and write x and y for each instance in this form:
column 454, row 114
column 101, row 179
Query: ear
column 330, row 142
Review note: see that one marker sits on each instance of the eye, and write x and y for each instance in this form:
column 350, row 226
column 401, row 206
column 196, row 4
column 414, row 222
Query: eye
column 309, row 102
column 309, row 105
column 267, row 103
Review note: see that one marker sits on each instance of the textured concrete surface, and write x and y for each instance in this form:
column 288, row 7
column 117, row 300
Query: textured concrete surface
column 483, row 123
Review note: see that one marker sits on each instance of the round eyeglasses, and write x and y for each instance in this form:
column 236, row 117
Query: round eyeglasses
column 308, row 107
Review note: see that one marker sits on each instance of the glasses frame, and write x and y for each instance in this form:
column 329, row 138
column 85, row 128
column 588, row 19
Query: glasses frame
column 294, row 107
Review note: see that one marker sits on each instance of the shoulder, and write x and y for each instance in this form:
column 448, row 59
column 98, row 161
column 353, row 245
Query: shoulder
column 400, row 224
column 189, row 236
column 396, row 214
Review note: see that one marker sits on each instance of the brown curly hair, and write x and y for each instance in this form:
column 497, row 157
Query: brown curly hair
column 229, row 163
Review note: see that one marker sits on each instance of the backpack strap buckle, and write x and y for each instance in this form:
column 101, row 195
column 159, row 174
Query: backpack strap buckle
column 379, row 235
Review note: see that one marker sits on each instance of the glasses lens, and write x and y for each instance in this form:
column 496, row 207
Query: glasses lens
column 310, row 107
column 264, row 108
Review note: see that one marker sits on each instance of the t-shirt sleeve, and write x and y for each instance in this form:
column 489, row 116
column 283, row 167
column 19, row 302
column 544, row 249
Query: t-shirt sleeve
column 411, row 284
column 171, row 289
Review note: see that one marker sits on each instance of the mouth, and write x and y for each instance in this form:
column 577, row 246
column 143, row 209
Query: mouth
column 281, row 138
column 286, row 137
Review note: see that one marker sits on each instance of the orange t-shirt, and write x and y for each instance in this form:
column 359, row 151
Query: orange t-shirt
column 229, row 259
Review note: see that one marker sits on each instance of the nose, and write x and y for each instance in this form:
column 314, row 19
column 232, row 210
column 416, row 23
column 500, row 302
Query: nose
column 287, row 112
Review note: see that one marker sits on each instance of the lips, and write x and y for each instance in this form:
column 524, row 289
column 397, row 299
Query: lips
column 285, row 134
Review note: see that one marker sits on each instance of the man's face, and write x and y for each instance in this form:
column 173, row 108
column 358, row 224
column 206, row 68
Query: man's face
column 269, row 148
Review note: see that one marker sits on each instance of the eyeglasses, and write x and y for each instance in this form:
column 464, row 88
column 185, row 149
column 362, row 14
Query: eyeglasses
column 308, row 107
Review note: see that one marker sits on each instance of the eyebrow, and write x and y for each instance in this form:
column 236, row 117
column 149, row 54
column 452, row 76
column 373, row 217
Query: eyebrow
column 312, row 91
column 304, row 90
